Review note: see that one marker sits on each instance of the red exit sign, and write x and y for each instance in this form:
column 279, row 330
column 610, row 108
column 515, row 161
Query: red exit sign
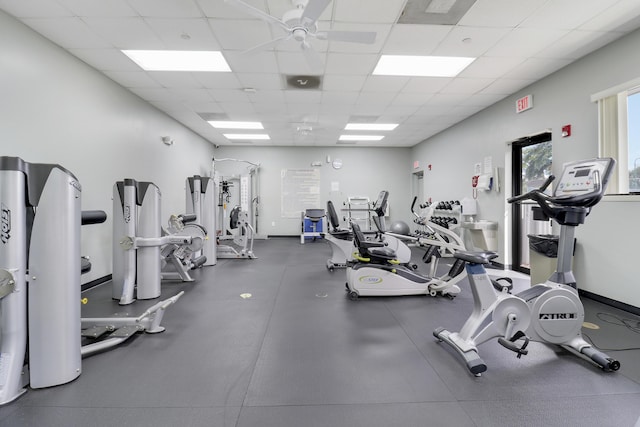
column 525, row 103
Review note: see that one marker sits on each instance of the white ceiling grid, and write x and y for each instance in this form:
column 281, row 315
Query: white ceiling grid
column 516, row 42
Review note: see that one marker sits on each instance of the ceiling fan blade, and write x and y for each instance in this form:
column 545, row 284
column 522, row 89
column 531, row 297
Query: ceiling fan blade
column 367, row 37
column 313, row 11
column 257, row 13
column 312, row 56
column 265, row 45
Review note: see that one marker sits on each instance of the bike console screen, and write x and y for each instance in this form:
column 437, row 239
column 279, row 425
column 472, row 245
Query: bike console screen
column 584, row 179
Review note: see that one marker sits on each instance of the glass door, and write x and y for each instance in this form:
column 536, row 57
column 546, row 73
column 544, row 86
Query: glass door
column 531, row 167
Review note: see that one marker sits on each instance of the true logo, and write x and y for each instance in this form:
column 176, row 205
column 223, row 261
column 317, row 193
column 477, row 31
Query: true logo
column 6, row 224
column 557, row 316
column 127, row 213
column 371, row 280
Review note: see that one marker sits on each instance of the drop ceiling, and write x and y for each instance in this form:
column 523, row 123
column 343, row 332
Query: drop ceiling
column 516, row 42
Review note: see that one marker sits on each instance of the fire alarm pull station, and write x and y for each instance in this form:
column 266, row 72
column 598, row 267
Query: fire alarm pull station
column 566, row 131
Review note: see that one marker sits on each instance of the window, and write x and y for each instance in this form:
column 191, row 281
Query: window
column 619, row 135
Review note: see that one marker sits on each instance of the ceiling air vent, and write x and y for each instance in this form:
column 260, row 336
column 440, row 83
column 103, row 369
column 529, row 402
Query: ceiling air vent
column 208, row 117
column 434, row 12
column 303, row 82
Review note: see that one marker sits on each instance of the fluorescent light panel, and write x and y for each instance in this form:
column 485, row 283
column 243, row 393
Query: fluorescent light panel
column 371, row 126
column 360, row 137
column 421, row 66
column 178, row 60
column 246, row 136
column 220, row 124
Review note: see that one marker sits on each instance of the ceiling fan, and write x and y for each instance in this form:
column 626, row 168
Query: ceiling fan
column 301, row 24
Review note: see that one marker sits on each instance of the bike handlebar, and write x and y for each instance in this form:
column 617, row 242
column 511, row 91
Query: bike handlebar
column 536, row 194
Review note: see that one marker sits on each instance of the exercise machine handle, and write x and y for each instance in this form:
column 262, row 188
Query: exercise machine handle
column 413, row 204
column 536, row 194
column 188, row 218
column 93, row 217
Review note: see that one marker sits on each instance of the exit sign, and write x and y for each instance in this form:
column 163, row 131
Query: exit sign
column 525, row 103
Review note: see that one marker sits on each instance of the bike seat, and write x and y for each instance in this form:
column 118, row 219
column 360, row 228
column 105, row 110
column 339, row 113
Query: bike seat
column 484, row 257
column 382, row 252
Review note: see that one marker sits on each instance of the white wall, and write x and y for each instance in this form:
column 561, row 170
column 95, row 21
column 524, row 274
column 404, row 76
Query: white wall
column 559, row 99
column 365, row 172
column 56, row 109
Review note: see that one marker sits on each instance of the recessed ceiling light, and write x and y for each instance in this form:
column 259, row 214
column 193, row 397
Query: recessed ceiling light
column 178, row 60
column 246, row 136
column 425, row 66
column 222, row 124
column 360, row 137
column 371, row 126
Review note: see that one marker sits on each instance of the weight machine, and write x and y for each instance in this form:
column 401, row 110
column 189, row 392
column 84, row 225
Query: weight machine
column 239, row 224
column 201, row 201
column 40, row 289
column 141, row 248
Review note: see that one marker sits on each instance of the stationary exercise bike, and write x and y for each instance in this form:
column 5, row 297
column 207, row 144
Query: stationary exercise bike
column 341, row 240
column 550, row 312
column 376, row 271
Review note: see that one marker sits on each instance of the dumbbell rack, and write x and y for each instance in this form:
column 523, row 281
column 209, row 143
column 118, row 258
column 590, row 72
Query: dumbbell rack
column 455, row 215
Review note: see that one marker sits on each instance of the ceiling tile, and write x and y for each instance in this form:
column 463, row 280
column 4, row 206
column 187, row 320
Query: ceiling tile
column 184, row 34
column 294, row 63
column 125, row 33
column 385, row 83
column 426, row 84
column 340, row 82
column 615, row 17
column 467, row 86
column 577, row 44
column 469, row 41
column 565, row 14
column 536, row 68
column 385, row 12
column 264, row 61
column 101, row 8
column 524, row 42
column 339, row 97
column 221, row 9
column 166, row 8
column 341, row 63
column 175, row 79
column 382, row 32
column 230, row 96
column 270, row 108
column 70, row 33
column 278, row 8
column 132, row 79
column 507, row 86
column 411, row 99
column 238, row 110
column 267, row 96
column 217, row 80
column 34, row 9
column 379, row 98
column 500, row 13
column 303, row 96
column 240, row 34
column 258, row 81
column 409, row 39
column 490, row 67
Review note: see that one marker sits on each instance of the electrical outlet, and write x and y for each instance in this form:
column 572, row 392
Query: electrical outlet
column 273, row 223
